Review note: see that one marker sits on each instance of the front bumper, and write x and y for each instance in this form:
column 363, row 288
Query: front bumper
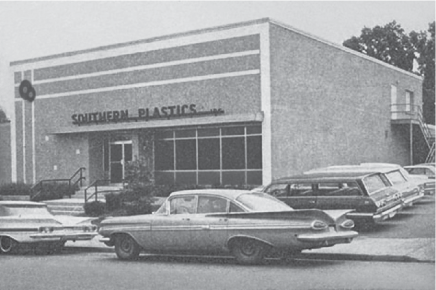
column 408, row 201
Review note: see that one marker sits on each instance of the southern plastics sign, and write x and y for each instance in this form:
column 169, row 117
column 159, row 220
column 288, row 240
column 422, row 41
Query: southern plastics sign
column 142, row 114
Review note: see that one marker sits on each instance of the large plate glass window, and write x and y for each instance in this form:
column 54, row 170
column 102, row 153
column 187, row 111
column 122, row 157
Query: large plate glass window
column 211, row 155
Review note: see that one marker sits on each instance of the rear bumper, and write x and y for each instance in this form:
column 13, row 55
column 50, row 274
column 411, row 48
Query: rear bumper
column 379, row 217
column 331, row 237
column 62, row 237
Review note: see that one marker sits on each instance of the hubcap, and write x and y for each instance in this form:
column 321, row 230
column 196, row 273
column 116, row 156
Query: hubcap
column 248, row 248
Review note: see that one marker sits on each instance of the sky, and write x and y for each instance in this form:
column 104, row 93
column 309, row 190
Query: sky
column 34, row 29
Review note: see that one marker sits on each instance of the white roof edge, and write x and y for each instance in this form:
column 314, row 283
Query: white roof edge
column 135, row 42
column 343, row 48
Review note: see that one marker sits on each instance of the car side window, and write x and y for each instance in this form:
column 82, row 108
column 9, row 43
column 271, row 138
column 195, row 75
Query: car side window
column 211, row 204
column 278, row 190
column 183, row 205
column 300, row 189
column 420, row 171
column 338, row 189
column 234, row 208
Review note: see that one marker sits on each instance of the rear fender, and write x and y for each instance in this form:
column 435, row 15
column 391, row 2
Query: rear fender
column 235, row 238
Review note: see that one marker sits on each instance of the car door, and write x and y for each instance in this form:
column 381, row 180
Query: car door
column 172, row 231
column 337, row 195
column 209, row 232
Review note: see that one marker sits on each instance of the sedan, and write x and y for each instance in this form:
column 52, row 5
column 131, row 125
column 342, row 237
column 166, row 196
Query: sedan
column 423, row 171
column 249, row 225
column 30, row 224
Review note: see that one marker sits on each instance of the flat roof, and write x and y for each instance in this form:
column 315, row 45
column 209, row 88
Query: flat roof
column 217, row 28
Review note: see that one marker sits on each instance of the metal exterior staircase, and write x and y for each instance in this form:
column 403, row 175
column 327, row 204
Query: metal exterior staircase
column 412, row 114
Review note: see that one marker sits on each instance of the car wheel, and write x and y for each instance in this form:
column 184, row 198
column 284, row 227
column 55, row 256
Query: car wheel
column 126, row 247
column 248, row 251
column 7, row 245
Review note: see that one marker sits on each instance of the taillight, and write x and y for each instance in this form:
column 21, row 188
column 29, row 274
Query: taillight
column 46, row 229
column 319, row 225
column 92, row 228
column 347, row 224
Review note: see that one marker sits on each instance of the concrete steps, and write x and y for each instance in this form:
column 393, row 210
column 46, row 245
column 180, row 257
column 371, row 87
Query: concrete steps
column 74, row 206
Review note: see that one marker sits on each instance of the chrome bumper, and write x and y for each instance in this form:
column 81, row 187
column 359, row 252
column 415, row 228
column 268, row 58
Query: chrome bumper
column 390, row 213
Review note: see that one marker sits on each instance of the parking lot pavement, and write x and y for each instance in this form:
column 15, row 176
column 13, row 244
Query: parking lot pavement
column 361, row 248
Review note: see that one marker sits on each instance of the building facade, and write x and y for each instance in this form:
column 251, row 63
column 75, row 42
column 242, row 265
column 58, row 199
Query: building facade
column 238, row 104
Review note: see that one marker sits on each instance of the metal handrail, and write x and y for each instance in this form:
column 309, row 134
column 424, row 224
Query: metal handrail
column 40, row 184
column 95, row 184
column 414, row 112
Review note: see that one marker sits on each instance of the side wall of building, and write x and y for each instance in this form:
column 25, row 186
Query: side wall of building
column 5, row 153
column 332, row 107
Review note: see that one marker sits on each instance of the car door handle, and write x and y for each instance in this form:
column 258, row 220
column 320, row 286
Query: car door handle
column 205, row 227
column 186, row 219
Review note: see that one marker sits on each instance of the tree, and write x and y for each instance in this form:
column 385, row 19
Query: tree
column 392, row 45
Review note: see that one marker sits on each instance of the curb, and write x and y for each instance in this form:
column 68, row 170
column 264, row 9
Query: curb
column 309, row 256
column 363, row 257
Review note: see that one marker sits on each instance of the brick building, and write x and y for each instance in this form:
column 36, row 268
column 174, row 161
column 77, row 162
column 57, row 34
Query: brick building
column 238, row 104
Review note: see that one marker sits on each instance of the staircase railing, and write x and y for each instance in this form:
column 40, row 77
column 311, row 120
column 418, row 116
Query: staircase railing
column 72, row 185
column 414, row 113
column 431, row 155
column 95, row 185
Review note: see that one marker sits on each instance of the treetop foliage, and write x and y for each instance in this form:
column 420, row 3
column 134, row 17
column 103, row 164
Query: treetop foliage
column 413, row 52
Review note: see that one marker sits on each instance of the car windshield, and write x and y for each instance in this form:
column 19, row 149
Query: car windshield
column 259, row 201
column 27, row 211
column 396, row 177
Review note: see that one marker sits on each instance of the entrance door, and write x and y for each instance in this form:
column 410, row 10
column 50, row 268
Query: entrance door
column 120, row 154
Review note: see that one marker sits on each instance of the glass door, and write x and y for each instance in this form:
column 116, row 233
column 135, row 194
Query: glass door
column 120, row 154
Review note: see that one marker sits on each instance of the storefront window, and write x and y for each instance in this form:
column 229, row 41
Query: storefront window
column 228, row 155
column 164, row 155
column 186, row 154
column 209, row 153
column 254, row 150
column 233, row 153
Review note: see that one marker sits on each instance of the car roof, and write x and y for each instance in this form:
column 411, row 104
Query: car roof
column 363, row 168
column 227, row 193
column 419, row 166
column 20, row 203
column 333, row 176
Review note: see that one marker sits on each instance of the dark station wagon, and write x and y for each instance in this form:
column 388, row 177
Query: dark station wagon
column 367, row 194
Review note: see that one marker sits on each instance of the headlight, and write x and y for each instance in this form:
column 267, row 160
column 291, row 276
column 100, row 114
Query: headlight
column 319, row 225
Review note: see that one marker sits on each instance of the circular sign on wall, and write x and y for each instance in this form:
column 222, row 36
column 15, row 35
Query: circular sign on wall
column 26, row 91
